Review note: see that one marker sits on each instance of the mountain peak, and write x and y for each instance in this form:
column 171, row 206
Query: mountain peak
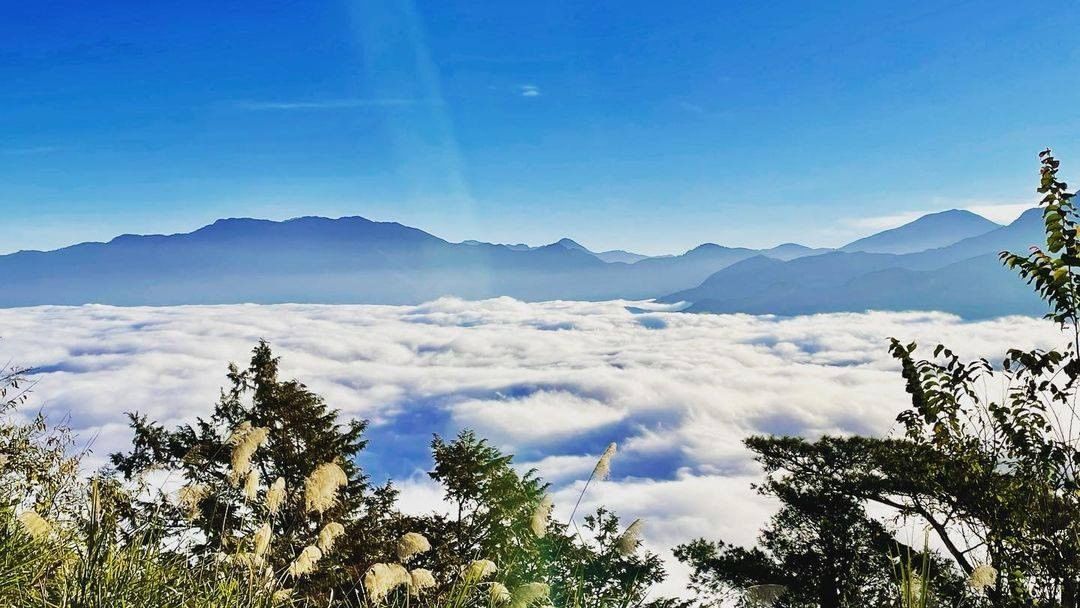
column 950, row 213
column 706, row 247
column 1031, row 215
column 927, row 232
column 571, row 244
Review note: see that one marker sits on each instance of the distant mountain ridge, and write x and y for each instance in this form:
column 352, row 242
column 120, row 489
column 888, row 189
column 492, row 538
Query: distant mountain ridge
column 344, row 260
column 356, row 260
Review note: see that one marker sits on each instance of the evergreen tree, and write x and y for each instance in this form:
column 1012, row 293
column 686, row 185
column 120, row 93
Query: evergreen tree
column 492, row 508
column 291, row 434
column 603, row 565
column 500, row 514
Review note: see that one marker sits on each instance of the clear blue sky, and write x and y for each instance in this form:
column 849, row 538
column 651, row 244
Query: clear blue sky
column 647, row 125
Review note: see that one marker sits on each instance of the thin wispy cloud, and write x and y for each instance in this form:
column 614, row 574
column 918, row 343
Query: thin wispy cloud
column 529, row 90
column 335, row 104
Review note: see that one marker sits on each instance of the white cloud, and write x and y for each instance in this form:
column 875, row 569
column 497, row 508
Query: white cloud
column 1002, row 213
column 552, row 382
column 529, row 90
column 542, row 415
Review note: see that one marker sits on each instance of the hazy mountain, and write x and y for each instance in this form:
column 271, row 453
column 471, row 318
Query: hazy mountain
column 346, row 260
column 612, row 256
column 1019, row 236
column 964, row 277
column 790, row 251
column 515, row 247
column 988, row 290
column 355, row 260
column 618, row 255
column 927, row 232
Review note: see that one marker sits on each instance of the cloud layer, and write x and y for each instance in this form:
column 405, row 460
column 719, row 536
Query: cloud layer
column 552, row 382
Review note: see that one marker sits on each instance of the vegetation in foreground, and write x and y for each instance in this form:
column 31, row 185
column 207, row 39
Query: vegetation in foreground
column 271, row 509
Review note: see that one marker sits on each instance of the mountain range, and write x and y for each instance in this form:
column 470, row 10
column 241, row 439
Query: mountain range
column 943, row 261
column 964, row 277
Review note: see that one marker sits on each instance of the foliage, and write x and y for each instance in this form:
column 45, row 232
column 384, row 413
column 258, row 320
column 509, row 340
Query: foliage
column 492, row 507
column 602, row 565
column 822, row 547
column 301, row 434
column 37, row 469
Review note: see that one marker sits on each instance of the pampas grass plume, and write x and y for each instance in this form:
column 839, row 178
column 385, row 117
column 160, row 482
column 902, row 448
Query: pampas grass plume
column 603, row 466
column 381, row 579
column 529, row 593
column 540, row 515
column 982, row 577
column 321, row 487
column 35, row 525
column 189, row 498
column 328, row 535
column 262, row 539
column 245, row 441
column 305, row 562
column 628, row 541
column 480, row 569
column 251, row 485
column 410, row 545
column 275, row 496
column 422, row 579
column 499, row 594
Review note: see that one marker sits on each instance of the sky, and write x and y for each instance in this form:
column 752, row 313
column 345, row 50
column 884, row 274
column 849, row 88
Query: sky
column 621, row 124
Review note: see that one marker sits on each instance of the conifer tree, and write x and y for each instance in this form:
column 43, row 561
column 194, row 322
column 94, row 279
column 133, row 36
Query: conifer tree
column 265, row 474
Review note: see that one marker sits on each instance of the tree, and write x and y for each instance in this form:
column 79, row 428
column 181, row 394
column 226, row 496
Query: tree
column 37, row 468
column 270, row 441
column 13, row 389
column 500, row 514
column 603, row 565
column 492, row 507
column 821, row 546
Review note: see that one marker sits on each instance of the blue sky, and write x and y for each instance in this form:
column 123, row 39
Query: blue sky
column 644, row 125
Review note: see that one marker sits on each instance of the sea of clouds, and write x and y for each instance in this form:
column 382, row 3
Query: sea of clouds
column 551, row 382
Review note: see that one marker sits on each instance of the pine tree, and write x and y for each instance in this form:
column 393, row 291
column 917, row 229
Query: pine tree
column 293, row 432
